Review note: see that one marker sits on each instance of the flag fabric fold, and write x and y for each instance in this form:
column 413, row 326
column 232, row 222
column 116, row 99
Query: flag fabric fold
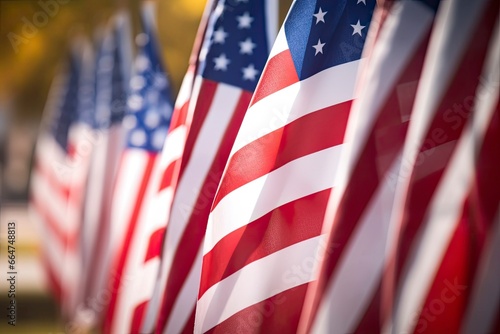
column 347, row 295
column 441, row 236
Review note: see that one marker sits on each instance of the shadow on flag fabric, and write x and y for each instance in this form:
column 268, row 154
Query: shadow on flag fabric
column 446, row 218
column 147, row 119
column 264, row 228
column 112, row 79
column 347, row 296
column 235, row 49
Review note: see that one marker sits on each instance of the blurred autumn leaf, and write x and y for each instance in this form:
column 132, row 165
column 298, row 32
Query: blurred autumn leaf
column 34, row 38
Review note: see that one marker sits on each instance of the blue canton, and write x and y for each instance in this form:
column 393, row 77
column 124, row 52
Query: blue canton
column 324, row 33
column 86, row 93
column 66, row 108
column 149, row 106
column 111, row 86
column 236, row 46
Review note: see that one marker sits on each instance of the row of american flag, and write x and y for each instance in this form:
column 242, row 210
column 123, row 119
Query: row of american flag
column 337, row 176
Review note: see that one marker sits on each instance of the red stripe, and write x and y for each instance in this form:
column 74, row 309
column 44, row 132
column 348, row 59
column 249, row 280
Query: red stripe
column 179, row 116
column 194, row 232
column 121, row 257
column 167, row 179
column 67, row 240
column 460, row 92
column 286, row 225
column 54, row 183
column 54, row 282
column 279, row 73
column 155, row 244
column 285, row 144
column 137, row 318
column 278, row 314
column 203, row 103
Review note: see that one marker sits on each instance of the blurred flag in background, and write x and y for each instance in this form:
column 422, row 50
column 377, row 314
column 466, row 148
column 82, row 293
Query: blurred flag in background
column 149, row 111
column 112, row 83
column 53, row 205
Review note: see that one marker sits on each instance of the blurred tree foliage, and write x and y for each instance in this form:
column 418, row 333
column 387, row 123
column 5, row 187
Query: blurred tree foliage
column 28, row 61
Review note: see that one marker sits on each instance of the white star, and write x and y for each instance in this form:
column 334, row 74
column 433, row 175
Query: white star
column 320, row 16
column 244, row 21
column 138, row 137
column 221, row 62
column 319, row 47
column 152, row 119
column 159, row 81
column 220, row 36
column 249, row 72
column 357, row 28
column 135, row 102
column 359, row 1
column 247, row 46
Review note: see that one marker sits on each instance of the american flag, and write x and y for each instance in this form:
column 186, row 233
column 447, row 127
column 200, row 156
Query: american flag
column 447, row 219
column 81, row 139
column 347, row 295
column 52, row 203
column 265, row 223
column 112, row 78
column 149, row 111
column 232, row 57
column 170, row 161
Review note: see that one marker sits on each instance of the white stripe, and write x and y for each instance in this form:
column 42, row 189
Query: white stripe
column 129, row 179
column 207, row 144
column 312, row 173
column 185, row 90
column 137, row 288
column 280, row 43
column 53, row 203
column 329, row 87
column 174, row 145
column 186, row 300
column 359, row 271
column 256, row 282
